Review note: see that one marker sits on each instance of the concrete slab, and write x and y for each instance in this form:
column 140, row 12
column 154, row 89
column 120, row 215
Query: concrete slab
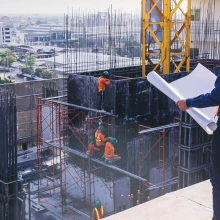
column 200, row 193
column 191, row 203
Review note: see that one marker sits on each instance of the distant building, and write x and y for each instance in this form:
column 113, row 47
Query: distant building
column 17, row 37
column 44, row 34
column 204, row 10
column 5, row 35
column 205, row 29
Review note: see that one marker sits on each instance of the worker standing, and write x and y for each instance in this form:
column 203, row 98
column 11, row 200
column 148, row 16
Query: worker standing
column 110, row 156
column 91, row 147
column 98, row 212
column 103, row 81
column 100, row 141
column 204, row 101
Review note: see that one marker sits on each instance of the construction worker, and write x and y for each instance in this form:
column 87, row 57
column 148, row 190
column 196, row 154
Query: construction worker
column 91, row 147
column 110, row 156
column 204, row 101
column 103, row 81
column 98, row 212
column 100, row 141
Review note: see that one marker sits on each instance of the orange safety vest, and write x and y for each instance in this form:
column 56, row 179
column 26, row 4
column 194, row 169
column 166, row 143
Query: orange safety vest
column 100, row 138
column 102, row 82
column 99, row 213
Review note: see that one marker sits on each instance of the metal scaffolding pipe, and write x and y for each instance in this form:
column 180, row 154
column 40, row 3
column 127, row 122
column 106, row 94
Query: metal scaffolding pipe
column 83, row 155
column 84, row 108
column 79, row 212
column 171, row 181
column 159, row 128
column 55, row 97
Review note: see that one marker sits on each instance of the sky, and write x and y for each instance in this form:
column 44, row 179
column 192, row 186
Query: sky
column 61, row 6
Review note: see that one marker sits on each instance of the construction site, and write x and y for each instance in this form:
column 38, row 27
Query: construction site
column 46, row 125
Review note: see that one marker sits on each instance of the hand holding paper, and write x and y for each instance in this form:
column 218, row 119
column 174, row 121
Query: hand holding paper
column 216, row 111
column 182, row 105
column 206, row 123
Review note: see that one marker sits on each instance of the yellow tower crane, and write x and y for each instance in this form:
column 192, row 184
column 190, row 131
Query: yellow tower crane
column 165, row 26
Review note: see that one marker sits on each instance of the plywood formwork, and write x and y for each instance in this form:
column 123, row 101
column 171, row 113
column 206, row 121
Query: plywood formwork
column 194, row 152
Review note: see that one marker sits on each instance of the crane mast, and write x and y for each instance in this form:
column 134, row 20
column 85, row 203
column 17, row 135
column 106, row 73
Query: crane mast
column 166, row 35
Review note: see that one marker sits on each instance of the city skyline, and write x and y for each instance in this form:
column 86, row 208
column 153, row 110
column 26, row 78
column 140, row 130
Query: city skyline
column 51, row 7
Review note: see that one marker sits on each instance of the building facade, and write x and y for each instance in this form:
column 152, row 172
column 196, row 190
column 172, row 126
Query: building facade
column 45, row 35
column 5, row 35
column 205, row 29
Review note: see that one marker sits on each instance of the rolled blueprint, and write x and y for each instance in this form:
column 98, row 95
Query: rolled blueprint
column 205, row 122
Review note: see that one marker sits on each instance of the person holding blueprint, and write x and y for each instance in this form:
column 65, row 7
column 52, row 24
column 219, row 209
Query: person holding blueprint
column 203, row 101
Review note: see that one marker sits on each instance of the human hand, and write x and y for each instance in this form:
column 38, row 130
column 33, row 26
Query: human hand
column 216, row 111
column 88, row 153
column 181, row 104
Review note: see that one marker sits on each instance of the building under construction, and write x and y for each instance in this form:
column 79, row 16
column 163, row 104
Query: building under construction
column 161, row 148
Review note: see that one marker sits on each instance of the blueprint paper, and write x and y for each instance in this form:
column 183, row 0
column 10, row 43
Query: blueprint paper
column 202, row 119
column 199, row 81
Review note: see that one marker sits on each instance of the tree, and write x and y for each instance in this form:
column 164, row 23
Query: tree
column 6, row 58
column 25, row 69
column 47, row 74
column 6, row 80
column 38, row 72
column 30, row 61
column 10, row 59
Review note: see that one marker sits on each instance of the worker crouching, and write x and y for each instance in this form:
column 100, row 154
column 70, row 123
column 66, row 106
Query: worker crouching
column 110, row 156
column 100, row 141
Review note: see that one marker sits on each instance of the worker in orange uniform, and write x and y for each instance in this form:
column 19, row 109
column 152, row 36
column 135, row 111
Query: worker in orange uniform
column 100, row 141
column 103, row 81
column 98, row 212
column 91, row 147
column 110, row 156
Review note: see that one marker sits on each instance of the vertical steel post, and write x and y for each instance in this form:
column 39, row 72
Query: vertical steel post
column 60, row 152
column 29, row 200
column 143, row 37
column 166, row 35
column 188, row 22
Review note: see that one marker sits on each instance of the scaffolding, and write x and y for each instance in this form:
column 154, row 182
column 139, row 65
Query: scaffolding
column 159, row 134
column 65, row 132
